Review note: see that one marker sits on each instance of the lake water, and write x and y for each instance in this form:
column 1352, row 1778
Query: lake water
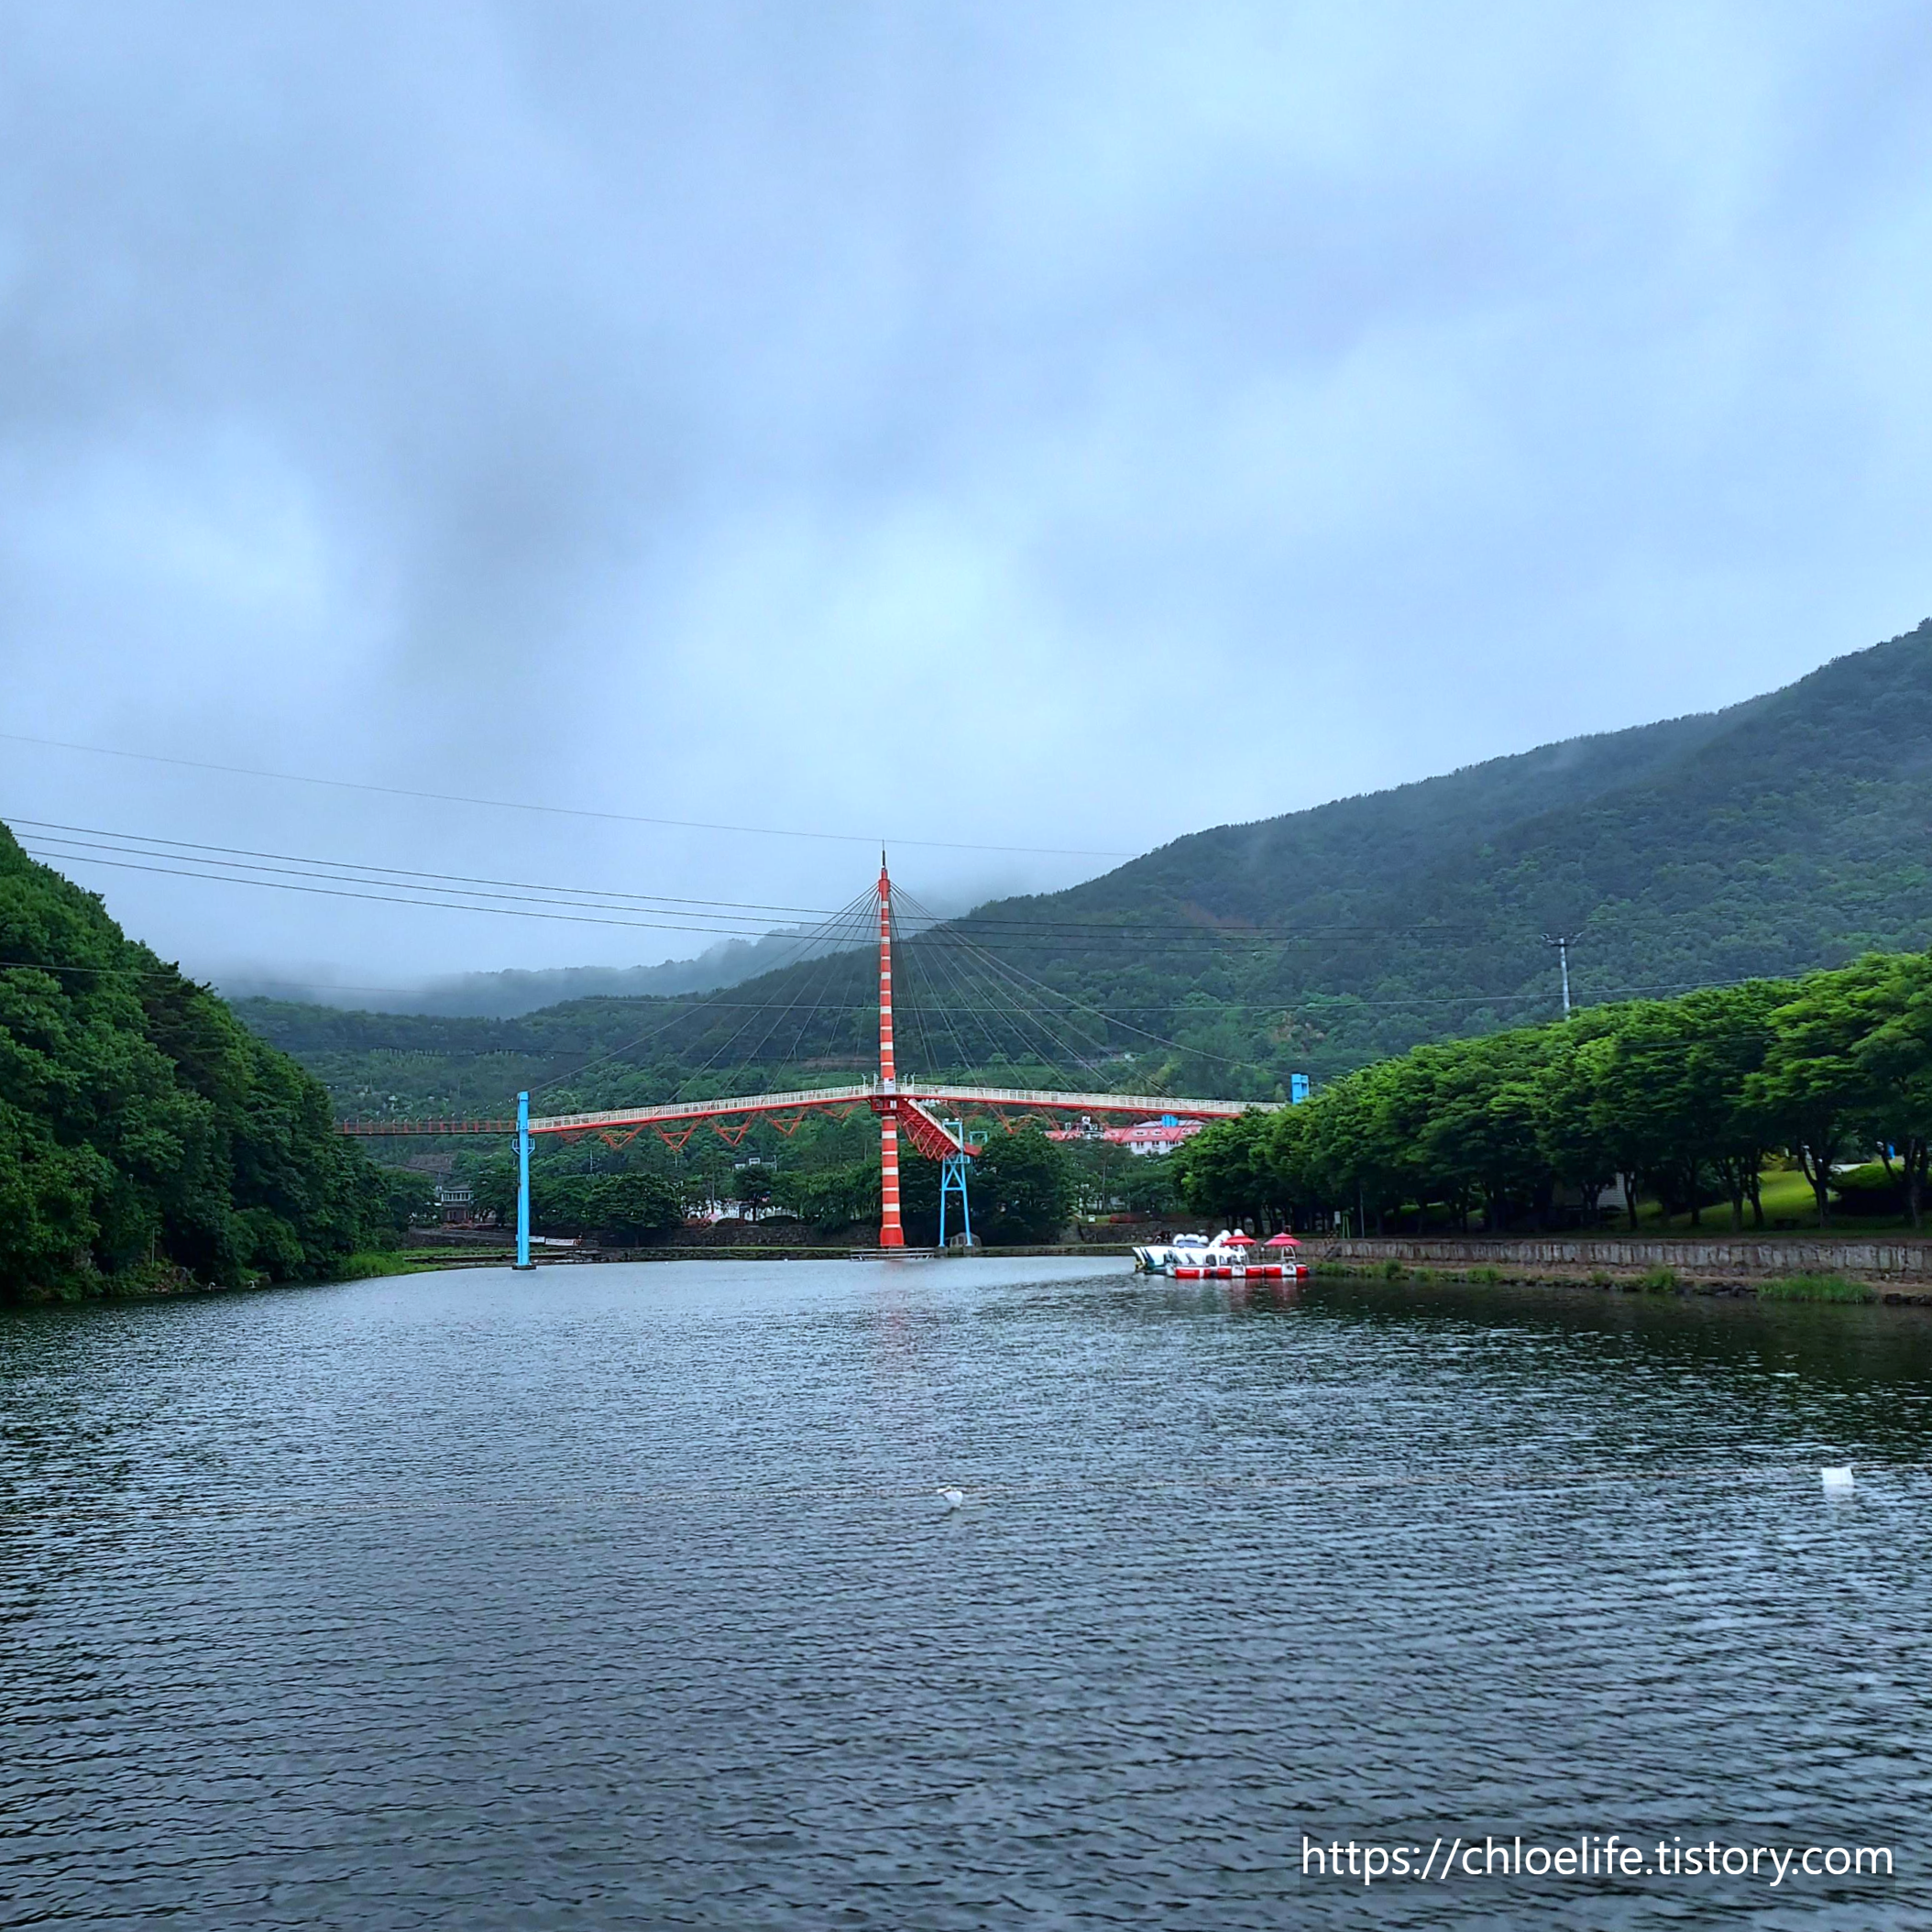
column 621, row 1596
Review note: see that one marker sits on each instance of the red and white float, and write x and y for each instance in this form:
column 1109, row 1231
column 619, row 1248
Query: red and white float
column 1226, row 1258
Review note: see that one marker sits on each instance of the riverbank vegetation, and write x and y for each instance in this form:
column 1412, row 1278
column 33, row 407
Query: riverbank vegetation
column 1816, row 1288
column 825, row 1177
column 148, row 1139
column 618, row 1210
column 1687, row 1101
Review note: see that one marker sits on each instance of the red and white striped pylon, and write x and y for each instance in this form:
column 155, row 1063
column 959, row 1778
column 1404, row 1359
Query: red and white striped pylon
column 891, row 1235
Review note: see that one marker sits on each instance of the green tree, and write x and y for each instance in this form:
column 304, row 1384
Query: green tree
column 1851, row 1059
column 142, row 1127
column 1224, row 1170
column 1672, row 1095
column 1153, row 1186
column 832, row 1197
column 750, row 1187
column 408, row 1197
column 1580, row 1154
column 1020, row 1187
column 619, row 1210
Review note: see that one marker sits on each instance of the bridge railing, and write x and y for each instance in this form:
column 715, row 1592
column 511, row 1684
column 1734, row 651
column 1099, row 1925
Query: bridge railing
column 857, row 1093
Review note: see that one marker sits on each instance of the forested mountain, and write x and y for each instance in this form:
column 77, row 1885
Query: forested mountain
column 1790, row 832
column 144, row 1133
column 1782, row 834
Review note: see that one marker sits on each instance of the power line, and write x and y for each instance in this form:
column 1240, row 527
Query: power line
column 139, row 841
column 996, row 964
column 511, row 912
column 456, row 898
column 1562, row 941
column 798, row 950
column 238, row 872
column 565, row 811
column 662, row 908
column 1146, row 942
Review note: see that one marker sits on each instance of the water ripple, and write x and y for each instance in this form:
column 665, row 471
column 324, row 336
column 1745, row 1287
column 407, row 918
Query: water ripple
column 622, row 1596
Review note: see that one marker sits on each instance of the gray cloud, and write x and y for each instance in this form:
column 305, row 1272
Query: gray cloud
column 1061, row 426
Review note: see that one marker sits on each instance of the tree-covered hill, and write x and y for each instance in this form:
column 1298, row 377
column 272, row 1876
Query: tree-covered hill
column 1786, row 833
column 144, row 1133
column 1782, row 835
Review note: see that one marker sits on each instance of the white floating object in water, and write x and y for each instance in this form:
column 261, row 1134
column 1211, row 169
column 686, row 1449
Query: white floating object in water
column 954, row 1497
column 1837, row 1478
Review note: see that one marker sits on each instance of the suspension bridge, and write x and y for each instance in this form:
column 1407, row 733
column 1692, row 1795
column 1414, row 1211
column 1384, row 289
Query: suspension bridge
column 916, row 1108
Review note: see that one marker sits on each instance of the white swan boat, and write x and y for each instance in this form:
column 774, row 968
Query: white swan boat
column 1225, row 1257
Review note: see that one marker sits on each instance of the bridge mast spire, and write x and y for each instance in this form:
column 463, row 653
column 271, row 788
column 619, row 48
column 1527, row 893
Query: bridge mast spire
column 891, row 1235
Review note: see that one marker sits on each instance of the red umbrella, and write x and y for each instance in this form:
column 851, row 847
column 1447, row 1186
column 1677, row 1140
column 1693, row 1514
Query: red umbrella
column 1281, row 1241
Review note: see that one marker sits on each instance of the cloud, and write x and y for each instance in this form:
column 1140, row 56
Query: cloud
column 1063, row 426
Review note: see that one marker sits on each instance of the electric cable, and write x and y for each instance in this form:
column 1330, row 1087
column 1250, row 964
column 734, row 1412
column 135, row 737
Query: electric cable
column 1022, row 1017
column 1037, row 932
column 440, row 906
column 946, row 964
column 796, row 949
column 924, row 1003
column 515, row 804
column 996, row 965
column 137, row 842
column 995, row 1001
column 824, row 978
column 1154, row 942
column 844, row 914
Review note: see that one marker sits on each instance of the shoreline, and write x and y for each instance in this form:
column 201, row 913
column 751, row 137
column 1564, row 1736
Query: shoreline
column 1821, row 1290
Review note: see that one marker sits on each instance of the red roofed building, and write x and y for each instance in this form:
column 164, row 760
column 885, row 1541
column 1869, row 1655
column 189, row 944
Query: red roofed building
column 1145, row 1137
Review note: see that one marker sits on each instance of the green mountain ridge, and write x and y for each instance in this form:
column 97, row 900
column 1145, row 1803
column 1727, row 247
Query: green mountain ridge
column 1781, row 834
column 1291, row 867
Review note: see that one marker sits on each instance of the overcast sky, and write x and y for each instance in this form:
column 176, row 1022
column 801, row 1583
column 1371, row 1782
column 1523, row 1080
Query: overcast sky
column 1037, row 425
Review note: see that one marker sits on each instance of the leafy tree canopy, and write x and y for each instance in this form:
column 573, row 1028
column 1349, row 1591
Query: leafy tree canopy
column 1685, row 1098
column 143, row 1129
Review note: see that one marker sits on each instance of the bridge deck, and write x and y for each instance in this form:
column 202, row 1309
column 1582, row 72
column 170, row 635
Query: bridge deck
column 928, row 1094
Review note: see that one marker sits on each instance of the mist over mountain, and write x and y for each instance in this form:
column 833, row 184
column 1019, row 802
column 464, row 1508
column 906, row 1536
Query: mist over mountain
column 1781, row 834
column 511, row 993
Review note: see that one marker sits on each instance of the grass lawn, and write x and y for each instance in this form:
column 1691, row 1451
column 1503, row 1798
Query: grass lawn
column 1788, row 1197
column 392, row 1261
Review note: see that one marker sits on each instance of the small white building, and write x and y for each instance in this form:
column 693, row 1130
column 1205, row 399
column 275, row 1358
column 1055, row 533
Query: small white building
column 455, row 1201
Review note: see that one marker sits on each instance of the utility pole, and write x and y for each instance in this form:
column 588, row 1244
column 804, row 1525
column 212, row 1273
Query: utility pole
column 1562, row 941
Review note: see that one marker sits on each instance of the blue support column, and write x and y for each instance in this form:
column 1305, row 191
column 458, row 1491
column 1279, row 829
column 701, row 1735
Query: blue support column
column 523, row 1260
column 952, row 1178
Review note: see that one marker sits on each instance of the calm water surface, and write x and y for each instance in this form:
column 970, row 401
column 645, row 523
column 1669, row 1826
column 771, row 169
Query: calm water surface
column 620, row 1596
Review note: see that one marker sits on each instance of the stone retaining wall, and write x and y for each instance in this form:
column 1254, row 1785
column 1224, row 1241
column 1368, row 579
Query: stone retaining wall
column 1868, row 1259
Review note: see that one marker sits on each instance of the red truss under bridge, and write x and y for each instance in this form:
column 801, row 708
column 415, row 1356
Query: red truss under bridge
column 900, row 1105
